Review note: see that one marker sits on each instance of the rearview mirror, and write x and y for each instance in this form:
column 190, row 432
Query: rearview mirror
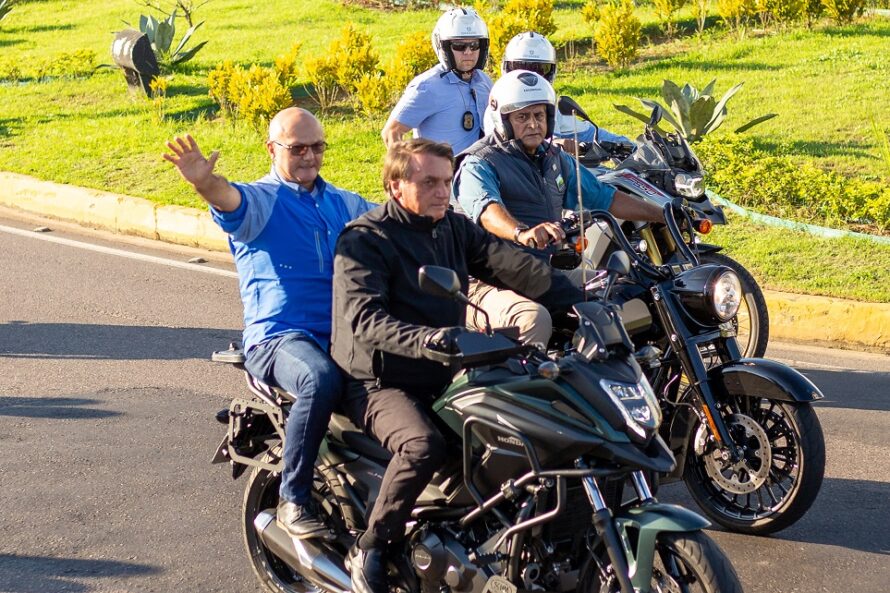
column 655, row 117
column 438, row 281
column 619, row 263
column 568, row 106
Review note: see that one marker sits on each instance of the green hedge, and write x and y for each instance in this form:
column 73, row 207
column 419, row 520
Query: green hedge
column 777, row 184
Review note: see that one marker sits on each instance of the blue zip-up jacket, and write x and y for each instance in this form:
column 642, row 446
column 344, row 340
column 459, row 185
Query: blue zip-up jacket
column 282, row 238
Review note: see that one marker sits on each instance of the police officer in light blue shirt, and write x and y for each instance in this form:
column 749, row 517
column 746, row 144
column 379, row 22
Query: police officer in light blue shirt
column 282, row 232
column 446, row 103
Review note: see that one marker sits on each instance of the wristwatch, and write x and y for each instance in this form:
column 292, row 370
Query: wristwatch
column 516, row 232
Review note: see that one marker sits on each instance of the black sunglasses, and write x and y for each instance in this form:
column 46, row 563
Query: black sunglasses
column 462, row 46
column 542, row 68
column 300, row 149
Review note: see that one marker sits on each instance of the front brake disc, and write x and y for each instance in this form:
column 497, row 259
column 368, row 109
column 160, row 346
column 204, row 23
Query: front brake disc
column 752, row 470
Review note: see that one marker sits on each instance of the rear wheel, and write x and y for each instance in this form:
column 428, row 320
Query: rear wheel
column 260, row 494
column 687, row 562
column 752, row 320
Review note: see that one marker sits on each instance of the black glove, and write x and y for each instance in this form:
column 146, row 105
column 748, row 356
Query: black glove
column 443, row 340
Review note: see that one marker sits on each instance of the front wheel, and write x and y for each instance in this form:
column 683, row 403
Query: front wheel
column 752, row 320
column 689, row 562
column 778, row 476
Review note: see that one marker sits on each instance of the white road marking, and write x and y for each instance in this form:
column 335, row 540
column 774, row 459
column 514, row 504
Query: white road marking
column 118, row 252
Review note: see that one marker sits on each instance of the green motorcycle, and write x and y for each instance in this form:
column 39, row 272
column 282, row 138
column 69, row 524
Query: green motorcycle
column 533, row 497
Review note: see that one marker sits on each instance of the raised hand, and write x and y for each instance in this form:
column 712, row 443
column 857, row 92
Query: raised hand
column 198, row 170
column 191, row 163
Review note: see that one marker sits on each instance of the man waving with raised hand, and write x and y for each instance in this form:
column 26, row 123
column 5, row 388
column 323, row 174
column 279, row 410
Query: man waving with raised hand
column 282, row 232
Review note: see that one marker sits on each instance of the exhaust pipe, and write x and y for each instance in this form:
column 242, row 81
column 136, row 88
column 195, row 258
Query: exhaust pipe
column 316, row 563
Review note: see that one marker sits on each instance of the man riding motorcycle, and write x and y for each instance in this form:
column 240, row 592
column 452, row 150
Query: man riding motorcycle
column 515, row 182
column 385, row 327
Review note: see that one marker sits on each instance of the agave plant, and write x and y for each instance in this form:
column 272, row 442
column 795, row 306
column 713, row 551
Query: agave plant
column 5, row 8
column 161, row 34
column 693, row 113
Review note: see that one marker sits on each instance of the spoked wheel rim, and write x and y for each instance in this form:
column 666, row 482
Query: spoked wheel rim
column 767, row 478
column 746, row 330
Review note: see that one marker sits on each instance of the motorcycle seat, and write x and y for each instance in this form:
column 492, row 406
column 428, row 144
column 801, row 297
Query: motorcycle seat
column 352, row 436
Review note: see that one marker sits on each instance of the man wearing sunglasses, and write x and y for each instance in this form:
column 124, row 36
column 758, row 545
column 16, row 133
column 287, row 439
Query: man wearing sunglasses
column 282, row 232
column 446, row 103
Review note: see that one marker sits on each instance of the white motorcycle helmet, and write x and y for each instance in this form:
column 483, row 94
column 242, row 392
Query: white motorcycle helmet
column 517, row 90
column 459, row 23
column 530, row 51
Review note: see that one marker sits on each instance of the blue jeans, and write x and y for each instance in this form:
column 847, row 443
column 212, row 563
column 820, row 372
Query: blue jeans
column 296, row 363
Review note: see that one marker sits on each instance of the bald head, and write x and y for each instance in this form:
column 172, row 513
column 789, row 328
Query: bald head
column 296, row 145
column 293, row 121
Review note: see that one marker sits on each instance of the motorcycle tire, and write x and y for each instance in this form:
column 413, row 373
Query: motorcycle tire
column 688, row 561
column 261, row 493
column 752, row 321
column 754, row 499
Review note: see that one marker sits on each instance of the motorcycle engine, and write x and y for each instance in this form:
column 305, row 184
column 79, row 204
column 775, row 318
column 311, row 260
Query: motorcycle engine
column 442, row 561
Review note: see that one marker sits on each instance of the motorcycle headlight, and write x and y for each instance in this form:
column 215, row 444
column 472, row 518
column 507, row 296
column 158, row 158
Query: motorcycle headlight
column 725, row 293
column 637, row 404
column 710, row 294
column 690, row 185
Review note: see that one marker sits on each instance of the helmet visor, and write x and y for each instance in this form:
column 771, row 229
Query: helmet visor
column 542, row 68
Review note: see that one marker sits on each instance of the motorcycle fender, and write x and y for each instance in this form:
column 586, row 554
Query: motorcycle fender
column 648, row 520
column 765, row 378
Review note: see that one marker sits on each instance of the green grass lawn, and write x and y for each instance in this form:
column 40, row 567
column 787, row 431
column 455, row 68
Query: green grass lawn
column 793, row 261
column 828, row 85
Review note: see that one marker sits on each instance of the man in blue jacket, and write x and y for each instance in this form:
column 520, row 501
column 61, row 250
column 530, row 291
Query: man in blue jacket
column 282, row 232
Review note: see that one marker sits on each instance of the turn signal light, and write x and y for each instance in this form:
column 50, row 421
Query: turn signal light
column 703, row 226
column 581, row 245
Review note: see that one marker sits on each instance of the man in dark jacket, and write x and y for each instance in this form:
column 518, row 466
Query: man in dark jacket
column 384, row 326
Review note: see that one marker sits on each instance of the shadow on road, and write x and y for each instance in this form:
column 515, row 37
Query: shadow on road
column 20, row 339
column 849, row 514
column 851, row 390
column 43, row 574
column 57, row 408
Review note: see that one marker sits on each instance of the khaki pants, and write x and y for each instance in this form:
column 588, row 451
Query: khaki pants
column 506, row 308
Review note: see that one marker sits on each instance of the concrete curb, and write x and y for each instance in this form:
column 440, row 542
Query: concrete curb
column 121, row 214
column 793, row 317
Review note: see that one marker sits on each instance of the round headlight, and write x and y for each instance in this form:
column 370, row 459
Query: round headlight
column 726, row 295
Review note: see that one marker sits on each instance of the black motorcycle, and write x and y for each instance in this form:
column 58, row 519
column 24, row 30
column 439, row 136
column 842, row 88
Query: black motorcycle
column 748, row 443
column 658, row 169
column 533, row 495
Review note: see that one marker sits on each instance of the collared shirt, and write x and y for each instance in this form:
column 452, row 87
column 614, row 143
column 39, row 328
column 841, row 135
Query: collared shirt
column 282, row 238
column 477, row 186
column 435, row 102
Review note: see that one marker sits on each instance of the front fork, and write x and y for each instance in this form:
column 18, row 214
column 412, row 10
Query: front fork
column 686, row 346
column 633, row 564
column 617, row 546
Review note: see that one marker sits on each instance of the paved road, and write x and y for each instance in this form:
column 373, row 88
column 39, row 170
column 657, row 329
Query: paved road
column 106, row 398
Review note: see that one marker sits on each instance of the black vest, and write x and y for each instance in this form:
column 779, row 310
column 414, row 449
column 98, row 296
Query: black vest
column 533, row 189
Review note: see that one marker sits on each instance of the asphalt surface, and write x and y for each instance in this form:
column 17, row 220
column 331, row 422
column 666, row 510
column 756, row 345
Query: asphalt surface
column 106, row 431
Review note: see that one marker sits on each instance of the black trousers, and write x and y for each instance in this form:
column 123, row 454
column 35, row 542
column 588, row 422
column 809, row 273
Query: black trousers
column 399, row 420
